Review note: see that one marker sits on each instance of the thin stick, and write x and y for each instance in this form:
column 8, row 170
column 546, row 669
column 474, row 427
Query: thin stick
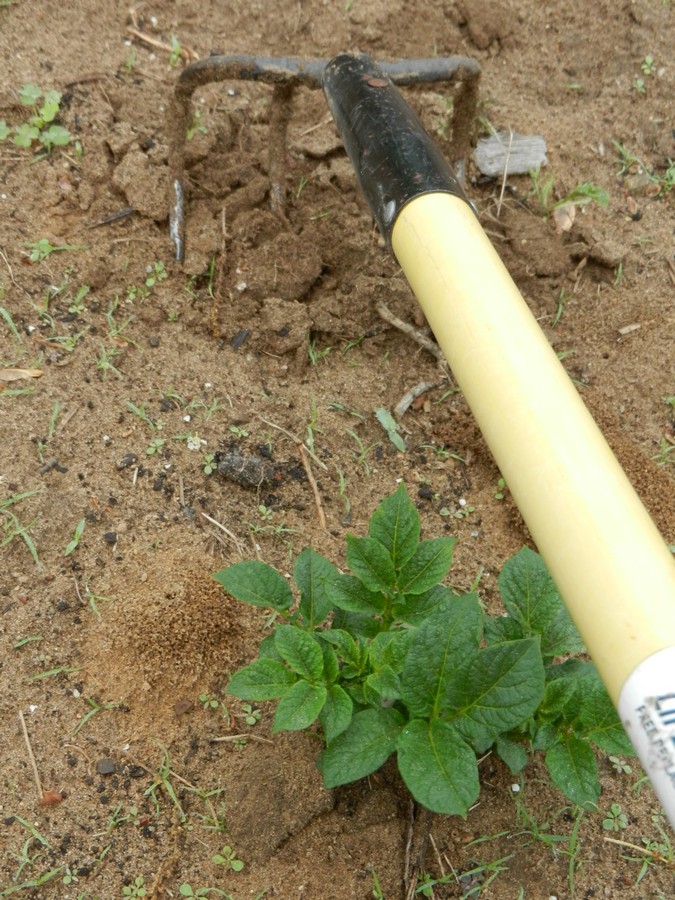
column 438, row 855
column 31, row 757
column 228, row 738
column 506, row 169
column 417, row 336
column 235, row 540
column 295, row 439
column 314, row 486
column 186, row 52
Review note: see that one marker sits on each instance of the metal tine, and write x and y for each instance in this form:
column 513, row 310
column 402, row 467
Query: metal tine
column 286, row 74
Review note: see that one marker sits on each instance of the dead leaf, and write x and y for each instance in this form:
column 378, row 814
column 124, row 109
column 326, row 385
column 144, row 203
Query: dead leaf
column 11, row 374
column 564, row 216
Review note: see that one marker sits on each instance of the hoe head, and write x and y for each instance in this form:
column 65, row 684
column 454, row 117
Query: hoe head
column 287, row 74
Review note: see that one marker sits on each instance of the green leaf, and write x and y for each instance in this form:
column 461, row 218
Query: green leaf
column 29, row 94
column 55, row 136
column 25, row 134
column 396, row 525
column 336, row 713
column 362, row 748
column 348, row 593
column 443, row 643
column 267, row 649
column 531, row 597
column 371, row 563
column 497, row 629
column 50, row 106
column 311, row 572
column 546, row 736
column 428, row 565
column 557, row 695
column 513, row 753
column 300, row 651
column 599, row 722
column 438, row 767
column 263, row 679
column 391, row 426
column 389, row 648
column 385, row 684
column 362, row 626
column 299, row 706
column 413, row 609
column 331, row 665
column 347, row 648
column 574, row 771
column 499, row 688
column 256, row 583
column 4, row 130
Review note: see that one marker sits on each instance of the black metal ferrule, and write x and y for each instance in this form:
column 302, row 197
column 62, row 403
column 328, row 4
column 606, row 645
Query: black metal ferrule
column 394, row 158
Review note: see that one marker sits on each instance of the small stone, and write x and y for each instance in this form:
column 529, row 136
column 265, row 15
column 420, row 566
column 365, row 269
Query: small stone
column 127, row 460
column 106, row 766
column 153, row 340
column 110, row 537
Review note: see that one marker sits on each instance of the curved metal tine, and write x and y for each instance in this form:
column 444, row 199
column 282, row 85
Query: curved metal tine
column 287, row 73
column 429, row 71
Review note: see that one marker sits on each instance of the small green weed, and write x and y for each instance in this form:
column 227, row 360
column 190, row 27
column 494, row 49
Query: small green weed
column 620, row 766
column 228, row 858
column 155, row 446
column 630, row 164
column 615, row 819
column 409, row 667
column 12, row 527
column 95, row 707
column 315, row 354
column 666, row 452
column 41, row 126
column 581, row 195
column 136, row 889
column 41, row 249
column 73, row 544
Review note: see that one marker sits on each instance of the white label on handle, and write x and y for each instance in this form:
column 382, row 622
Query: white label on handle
column 647, row 710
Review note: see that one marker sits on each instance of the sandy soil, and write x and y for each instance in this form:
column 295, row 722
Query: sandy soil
column 270, row 331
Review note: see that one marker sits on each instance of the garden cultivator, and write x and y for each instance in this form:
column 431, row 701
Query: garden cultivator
column 613, row 569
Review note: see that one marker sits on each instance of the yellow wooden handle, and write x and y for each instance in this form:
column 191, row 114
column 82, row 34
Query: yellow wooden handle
column 611, row 565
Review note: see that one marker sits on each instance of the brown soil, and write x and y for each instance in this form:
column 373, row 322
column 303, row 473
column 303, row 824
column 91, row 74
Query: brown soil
column 165, row 633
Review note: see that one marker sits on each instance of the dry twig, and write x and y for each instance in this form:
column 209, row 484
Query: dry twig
column 314, row 486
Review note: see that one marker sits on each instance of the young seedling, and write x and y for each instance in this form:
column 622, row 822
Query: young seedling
column 73, row 544
column 155, row 446
column 227, row 857
column 315, row 354
column 666, row 452
column 361, row 453
column 95, row 707
column 410, row 668
column 104, row 362
column 144, row 417
column 11, row 526
column 209, row 464
column 136, row 889
column 40, row 250
column 41, row 125
column 615, row 819
column 620, row 766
